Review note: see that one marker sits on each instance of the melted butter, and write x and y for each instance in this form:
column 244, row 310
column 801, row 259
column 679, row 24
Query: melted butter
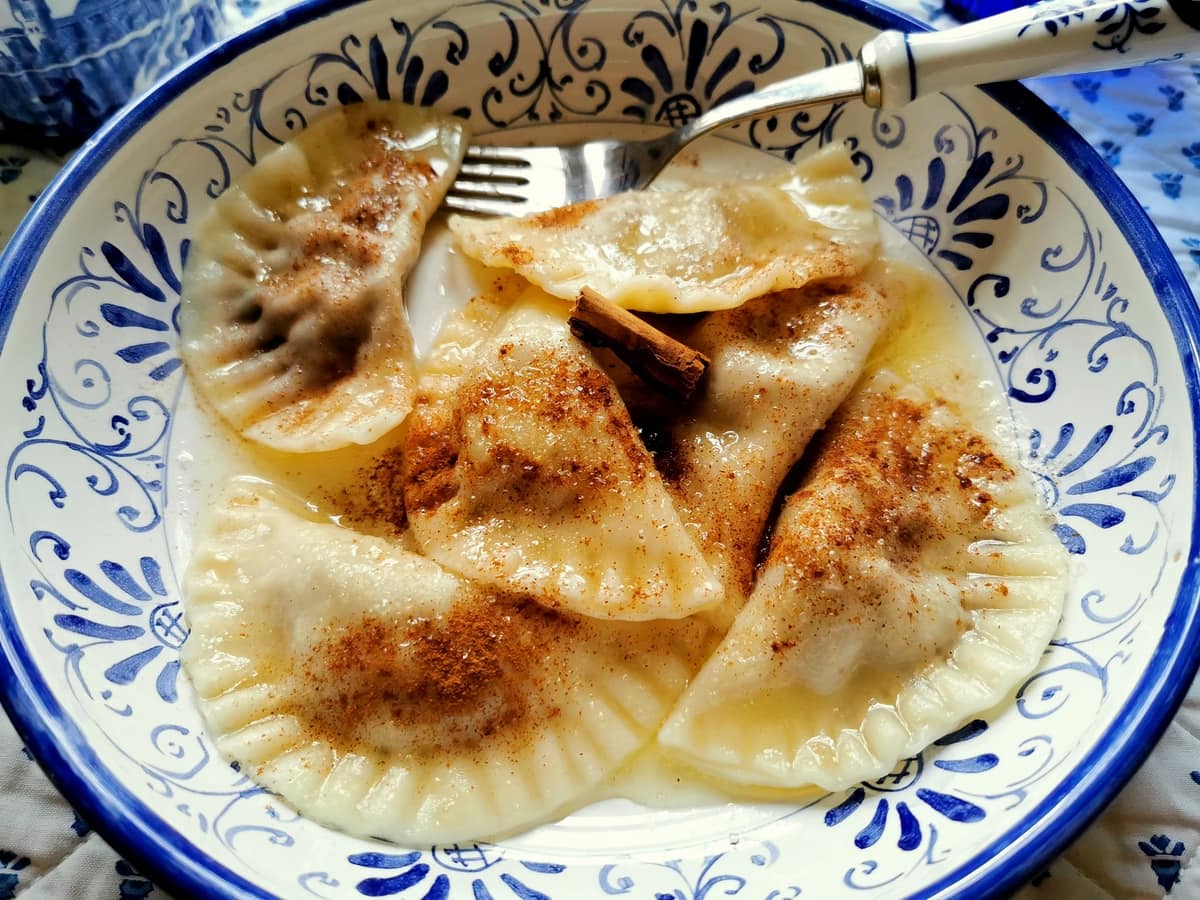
column 932, row 344
column 211, row 455
column 656, row 780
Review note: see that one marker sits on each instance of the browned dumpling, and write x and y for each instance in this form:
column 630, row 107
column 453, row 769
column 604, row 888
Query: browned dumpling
column 913, row 580
column 293, row 321
column 781, row 365
column 380, row 694
column 526, row 473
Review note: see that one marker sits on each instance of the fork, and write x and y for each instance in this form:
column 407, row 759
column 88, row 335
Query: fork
column 891, row 70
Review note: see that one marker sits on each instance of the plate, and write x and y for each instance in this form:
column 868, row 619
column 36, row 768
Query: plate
column 1083, row 313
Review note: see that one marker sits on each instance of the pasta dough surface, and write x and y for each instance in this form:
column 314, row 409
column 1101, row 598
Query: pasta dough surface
column 293, row 321
column 527, row 583
column 524, row 471
column 693, row 249
column 385, row 696
column 912, row 581
column 781, row 364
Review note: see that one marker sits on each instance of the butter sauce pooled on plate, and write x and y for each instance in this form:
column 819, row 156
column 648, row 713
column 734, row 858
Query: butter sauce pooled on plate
column 419, row 636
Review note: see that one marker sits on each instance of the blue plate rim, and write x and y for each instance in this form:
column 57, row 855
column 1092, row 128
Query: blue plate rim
column 143, row 837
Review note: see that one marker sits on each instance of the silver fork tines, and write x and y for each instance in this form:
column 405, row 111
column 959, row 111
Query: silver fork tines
column 516, row 181
column 507, row 181
column 499, row 164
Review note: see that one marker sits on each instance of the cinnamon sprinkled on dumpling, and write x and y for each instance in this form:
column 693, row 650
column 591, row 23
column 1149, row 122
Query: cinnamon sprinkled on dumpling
column 526, row 472
column 380, row 694
column 781, row 365
column 293, row 321
column 912, row 581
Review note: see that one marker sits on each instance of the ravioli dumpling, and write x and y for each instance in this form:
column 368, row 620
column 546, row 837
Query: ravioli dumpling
column 692, row 249
column 780, row 366
column 912, row 581
column 292, row 318
column 526, row 472
column 382, row 695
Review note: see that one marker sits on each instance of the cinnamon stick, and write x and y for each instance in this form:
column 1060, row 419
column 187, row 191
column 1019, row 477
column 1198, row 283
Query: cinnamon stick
column 654, row 356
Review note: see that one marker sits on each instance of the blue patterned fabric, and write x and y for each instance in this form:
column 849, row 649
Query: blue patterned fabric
column 1144, row 123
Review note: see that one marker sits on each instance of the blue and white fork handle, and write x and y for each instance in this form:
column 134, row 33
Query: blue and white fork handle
column 1059, row 36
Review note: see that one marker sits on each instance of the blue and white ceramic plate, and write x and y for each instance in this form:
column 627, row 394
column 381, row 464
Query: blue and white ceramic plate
column 1088, row 321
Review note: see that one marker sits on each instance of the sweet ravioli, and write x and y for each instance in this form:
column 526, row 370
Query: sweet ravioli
column 525, row 472
column 388, row 697
column 550, row 595
column 293, row 321
column 911, row 582
column 684, row 251
column 781, row 364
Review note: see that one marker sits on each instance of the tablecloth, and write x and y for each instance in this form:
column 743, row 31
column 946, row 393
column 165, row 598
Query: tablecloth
column 1146, row 124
